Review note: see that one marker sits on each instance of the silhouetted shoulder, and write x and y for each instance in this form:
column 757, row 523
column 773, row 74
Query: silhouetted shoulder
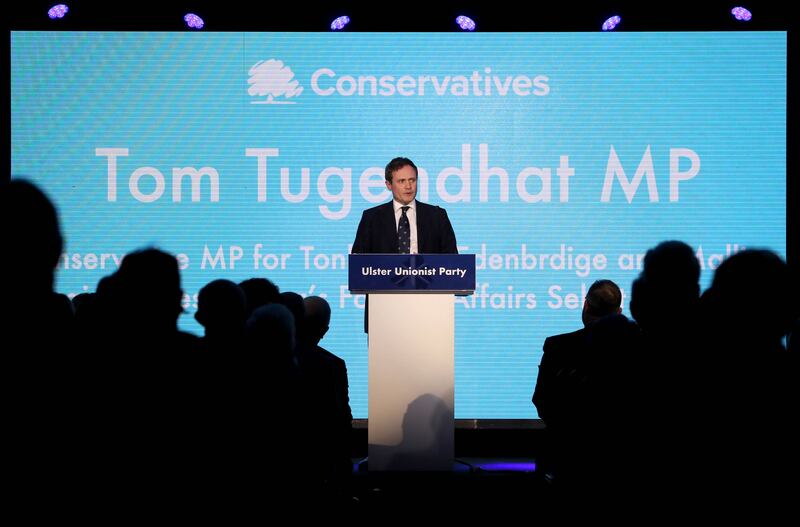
column 331, row 357
column 564, row 341
column 376, row 210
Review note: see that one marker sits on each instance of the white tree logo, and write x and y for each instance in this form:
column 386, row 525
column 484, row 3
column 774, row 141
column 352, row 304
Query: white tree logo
column 273, row 79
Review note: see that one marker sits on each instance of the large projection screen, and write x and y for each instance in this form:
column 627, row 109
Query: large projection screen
column 560, row 158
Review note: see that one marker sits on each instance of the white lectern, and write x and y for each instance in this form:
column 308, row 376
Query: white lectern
column 411, row 332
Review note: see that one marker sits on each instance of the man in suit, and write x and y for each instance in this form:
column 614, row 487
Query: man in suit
column 587, row 378
column 564, row 354
column 324, row 378
column 404, row 225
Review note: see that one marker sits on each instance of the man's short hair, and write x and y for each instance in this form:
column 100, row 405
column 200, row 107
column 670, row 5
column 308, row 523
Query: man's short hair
column 603, row 298
column 396, row 164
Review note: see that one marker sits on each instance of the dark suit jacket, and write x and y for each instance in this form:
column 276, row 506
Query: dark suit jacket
column 590, row 395
column 326, row 395
column 588, row 371
column 562, row 360
column 377, row 231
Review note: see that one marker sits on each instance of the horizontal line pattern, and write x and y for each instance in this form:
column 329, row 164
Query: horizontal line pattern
column 178, row 100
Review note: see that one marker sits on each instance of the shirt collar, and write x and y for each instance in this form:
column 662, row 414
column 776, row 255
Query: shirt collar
column 397, row 205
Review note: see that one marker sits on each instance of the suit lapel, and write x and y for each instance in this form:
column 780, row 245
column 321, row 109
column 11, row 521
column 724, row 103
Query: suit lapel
column 389, row 227
column 422, row 227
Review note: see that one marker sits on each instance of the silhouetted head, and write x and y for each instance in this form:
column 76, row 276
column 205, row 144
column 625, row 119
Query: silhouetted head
column 673, row 263
column 271, row 328
column 603, row 298
column 318, row 317
column 147, row 288
column 221, row 304
column 751, row 295
column 259, row 292
column 31, row 237
column 668, row 286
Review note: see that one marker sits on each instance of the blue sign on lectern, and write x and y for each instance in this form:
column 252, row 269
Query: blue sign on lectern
column 404, row 273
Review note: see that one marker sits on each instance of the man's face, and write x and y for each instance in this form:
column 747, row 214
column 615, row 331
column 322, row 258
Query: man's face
column 404, row 185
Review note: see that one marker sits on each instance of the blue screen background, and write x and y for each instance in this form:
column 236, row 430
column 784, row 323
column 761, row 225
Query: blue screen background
column 706, row 110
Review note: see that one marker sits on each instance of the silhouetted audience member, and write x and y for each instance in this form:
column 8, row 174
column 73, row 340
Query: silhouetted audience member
column 272, row 327
column 147, row 295
column 587, row 379
column 325, row 376
column 274, row 379
column 752, row 384
column 43, row 422
column 144, row 300
column 665, row 304
column 563, row 354
column 259, row 292
column 747, row 302
column 34, row 317
column 664, row 298
column 222, row 311
column 150, row 372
